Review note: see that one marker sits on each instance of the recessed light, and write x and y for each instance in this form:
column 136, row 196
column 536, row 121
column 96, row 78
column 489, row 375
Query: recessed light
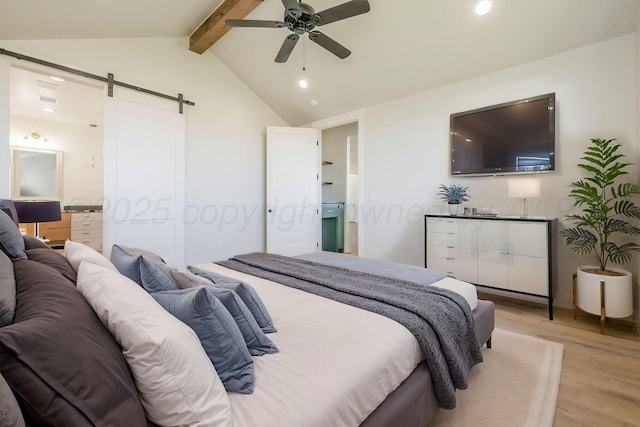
column 303, row 83
column 482, row 7
column 48, row 110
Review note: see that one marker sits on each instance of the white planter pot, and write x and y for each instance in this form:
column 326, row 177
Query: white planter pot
column 618, row 292
column 453, row 208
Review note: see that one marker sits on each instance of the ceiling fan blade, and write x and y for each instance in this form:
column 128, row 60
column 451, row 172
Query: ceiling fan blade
column 292, row 8
column 254, row 23
column 287, row 48
column 342, row 11
column 330, row 44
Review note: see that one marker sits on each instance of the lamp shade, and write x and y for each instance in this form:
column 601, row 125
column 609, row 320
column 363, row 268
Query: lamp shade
column 523, row 188
column 37, row 211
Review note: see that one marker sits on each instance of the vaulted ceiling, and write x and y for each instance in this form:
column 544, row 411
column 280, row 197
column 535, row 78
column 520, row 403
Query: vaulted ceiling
column 399, row 48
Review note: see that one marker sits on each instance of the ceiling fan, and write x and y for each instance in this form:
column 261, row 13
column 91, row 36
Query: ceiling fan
column 301, row 18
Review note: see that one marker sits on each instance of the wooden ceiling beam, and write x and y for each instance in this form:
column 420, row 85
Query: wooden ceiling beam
column 214, row 27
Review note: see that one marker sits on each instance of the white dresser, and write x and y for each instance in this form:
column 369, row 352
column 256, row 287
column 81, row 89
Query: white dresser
column 505, row 253
column 86, row 228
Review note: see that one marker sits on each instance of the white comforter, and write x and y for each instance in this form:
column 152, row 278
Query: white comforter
column 336, row 363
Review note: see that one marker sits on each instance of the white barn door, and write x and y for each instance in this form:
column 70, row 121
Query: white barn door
column 293, row 217
column 144, row 174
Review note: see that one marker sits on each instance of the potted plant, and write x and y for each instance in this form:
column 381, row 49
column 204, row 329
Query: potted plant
column 454, row 195
column 607, row 207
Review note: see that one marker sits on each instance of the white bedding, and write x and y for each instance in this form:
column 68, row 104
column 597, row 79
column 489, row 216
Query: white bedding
column 322, row 376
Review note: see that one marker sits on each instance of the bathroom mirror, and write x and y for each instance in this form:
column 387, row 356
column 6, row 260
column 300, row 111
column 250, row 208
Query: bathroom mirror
column 36, row 174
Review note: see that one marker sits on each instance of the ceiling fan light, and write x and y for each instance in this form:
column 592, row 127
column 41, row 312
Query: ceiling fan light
column 482, row 7
column 303, row 83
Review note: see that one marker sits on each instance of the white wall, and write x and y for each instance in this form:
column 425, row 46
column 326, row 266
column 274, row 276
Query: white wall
column 5, row 153
column 637, row 257
column 82, row 184
column 407, row 146
column 225, row 131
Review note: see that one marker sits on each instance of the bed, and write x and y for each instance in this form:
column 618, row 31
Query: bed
column 392, row 385
column 335, row 364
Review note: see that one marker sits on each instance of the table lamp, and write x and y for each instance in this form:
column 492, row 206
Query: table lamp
column 524, row 188
column 37, row 211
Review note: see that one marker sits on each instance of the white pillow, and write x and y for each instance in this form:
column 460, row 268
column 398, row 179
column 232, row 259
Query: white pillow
column 76, row 252
column 177, row 382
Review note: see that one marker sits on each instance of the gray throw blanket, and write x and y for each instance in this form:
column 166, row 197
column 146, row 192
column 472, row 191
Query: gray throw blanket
column 441, row 320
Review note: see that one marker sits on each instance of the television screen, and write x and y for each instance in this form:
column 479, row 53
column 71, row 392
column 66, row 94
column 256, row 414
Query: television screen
column 514, row 137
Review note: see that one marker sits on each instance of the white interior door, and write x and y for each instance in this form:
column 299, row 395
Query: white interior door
column 293, row 217
column 144, row 174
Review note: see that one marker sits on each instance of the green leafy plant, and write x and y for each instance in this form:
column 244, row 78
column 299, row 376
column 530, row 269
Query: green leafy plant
column 453, row 194
column 606, row 206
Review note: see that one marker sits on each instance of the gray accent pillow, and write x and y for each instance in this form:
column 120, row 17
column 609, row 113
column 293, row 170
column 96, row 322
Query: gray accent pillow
column 32, row 242
column 155, row 276
column 10, row 414
column 11, row 241
column 257, row 342
column 246, row 292
column 217, row 331
column 7, row 291
column 9, row 208
column 127, row 260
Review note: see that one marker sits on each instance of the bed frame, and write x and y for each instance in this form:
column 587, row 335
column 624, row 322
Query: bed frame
column 414, row 402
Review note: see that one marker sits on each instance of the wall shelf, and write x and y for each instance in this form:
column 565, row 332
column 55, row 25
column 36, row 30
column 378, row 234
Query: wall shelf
column 327, row 183
column 326, row 163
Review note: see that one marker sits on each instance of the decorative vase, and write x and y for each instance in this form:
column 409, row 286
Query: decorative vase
column 453, row 208
column 618, row 292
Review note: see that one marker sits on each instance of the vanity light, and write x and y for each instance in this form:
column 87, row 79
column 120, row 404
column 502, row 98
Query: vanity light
column 482, row 7
column 58, row 79
column 34, row 136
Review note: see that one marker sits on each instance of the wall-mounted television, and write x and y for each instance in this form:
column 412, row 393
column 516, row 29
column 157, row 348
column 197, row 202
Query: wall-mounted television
column 513, row 137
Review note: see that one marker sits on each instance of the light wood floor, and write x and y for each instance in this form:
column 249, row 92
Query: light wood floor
column 600, row 381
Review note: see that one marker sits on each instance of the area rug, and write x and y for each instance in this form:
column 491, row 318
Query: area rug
column 516, row 385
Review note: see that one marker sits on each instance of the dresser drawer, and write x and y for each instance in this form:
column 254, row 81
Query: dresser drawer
column 92, row 243
column 442, row 225
column 434, row 251
column 89, row 233
column 86, row 225
column 461, row 268
column 78, row 217
column 453, row 239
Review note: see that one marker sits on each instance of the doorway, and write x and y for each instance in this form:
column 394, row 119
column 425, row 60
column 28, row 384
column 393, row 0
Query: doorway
column 52, row 111
column 340, row 188
column 353, row 196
